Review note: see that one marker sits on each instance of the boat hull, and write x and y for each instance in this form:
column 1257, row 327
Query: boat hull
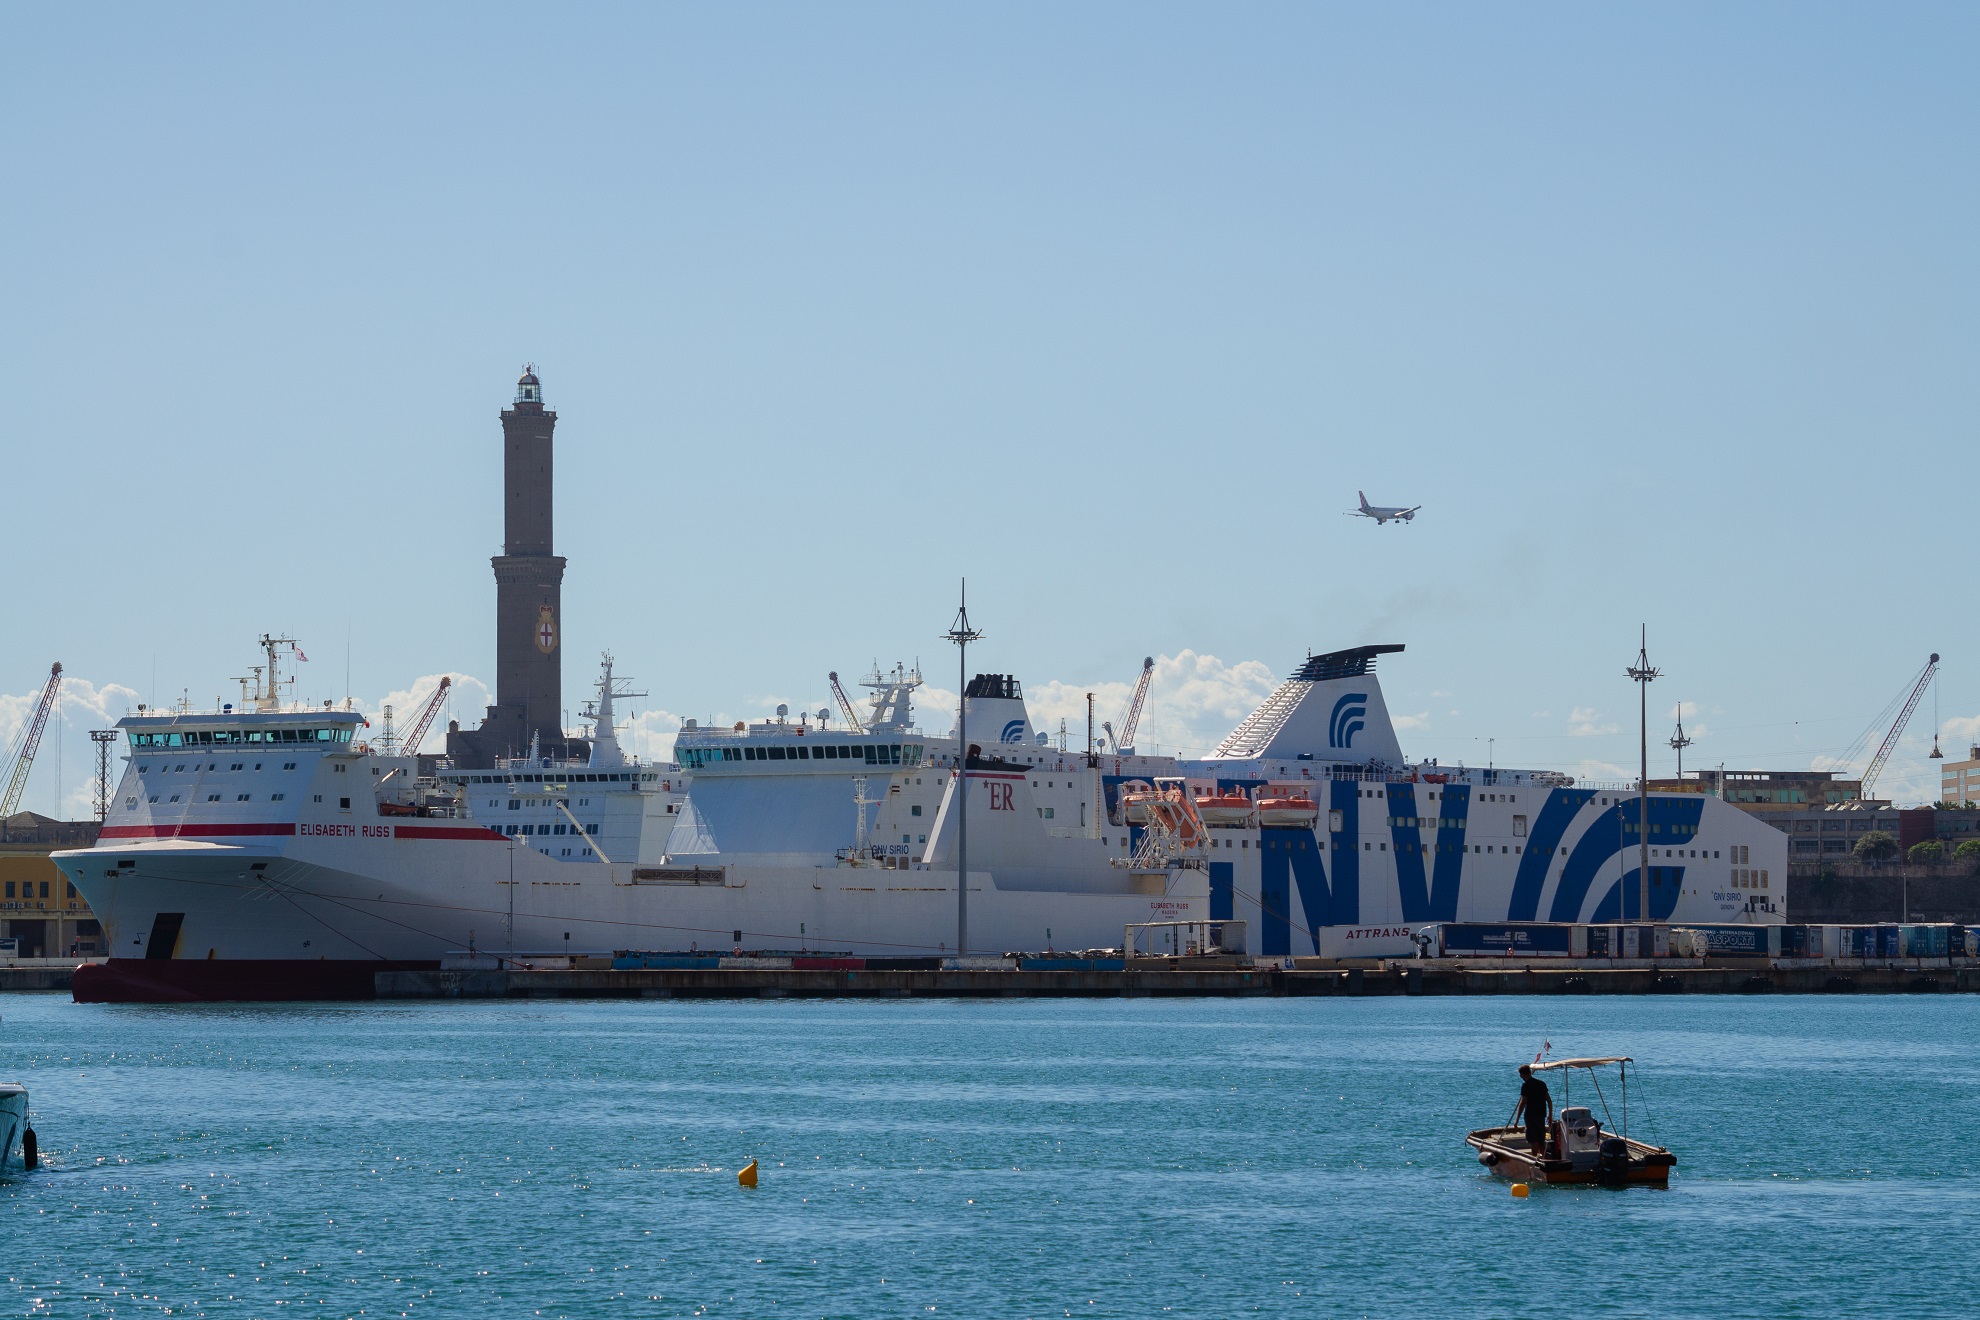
column 199, row 921
column 1504, row 1151
column 13, row 1124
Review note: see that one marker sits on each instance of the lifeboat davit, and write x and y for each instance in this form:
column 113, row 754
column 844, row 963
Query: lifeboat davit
column 1224, row 808
column 1297, row 811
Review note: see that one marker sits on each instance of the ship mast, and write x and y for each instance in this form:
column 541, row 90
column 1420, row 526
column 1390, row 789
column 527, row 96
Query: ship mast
column 962, row 635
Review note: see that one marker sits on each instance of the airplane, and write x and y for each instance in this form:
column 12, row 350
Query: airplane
column 1381, row 515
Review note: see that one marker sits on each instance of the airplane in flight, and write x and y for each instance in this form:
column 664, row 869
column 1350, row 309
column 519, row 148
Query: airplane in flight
column 1382, row 515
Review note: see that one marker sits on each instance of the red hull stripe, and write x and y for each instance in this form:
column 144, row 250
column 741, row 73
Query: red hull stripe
column 445, row 832
column 184, row 980
column 286, row 828
column 196, row 831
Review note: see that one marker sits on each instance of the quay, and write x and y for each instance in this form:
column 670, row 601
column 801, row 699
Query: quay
column 1746, row 976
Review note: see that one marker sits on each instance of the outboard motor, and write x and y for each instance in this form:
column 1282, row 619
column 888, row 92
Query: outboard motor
column 1613, row 1165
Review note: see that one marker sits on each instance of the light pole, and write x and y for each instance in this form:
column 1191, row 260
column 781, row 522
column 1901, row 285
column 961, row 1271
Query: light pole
column 1644, row 675
column 962, row 635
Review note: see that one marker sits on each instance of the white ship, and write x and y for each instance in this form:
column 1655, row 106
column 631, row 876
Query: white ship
column 273, row 853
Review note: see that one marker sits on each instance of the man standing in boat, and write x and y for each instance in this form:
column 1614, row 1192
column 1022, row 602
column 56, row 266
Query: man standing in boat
column 1536, row 1102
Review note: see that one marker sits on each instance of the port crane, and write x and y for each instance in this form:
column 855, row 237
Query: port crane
column 409, row 744
column 1124, row 740
column 1904, row 717
column 845, row 703
column 30, row 743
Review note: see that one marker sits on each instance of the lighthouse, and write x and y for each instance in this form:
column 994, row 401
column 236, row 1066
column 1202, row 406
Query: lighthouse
column 529, row 614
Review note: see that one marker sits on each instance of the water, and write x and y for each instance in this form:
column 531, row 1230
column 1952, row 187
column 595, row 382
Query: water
column 1012, row 1158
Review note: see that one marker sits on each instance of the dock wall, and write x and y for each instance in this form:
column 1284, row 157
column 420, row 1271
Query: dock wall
column 1415, row 979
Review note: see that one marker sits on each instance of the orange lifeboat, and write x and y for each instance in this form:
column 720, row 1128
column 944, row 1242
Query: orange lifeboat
column 1295, row 811
column 1224, row 808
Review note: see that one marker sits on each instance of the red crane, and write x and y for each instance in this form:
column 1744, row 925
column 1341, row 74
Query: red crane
column 30, row 742
column 409, row 745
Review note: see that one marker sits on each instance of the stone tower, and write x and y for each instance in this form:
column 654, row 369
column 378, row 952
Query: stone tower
column 529, row 616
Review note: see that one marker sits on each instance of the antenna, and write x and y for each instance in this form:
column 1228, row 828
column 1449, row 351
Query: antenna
column 1644, row 676
column 1679, row 742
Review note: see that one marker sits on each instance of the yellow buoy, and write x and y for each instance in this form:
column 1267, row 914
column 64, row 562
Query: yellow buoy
column 747, row 1177
column 1519, row 1189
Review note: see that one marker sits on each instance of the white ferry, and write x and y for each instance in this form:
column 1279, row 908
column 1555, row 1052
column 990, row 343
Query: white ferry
column 273, row 853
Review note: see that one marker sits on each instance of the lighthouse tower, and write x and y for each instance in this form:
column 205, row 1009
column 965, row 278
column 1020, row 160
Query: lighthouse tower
column 529, row 615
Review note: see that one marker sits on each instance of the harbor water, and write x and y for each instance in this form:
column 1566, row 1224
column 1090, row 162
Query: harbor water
column 997, row 1158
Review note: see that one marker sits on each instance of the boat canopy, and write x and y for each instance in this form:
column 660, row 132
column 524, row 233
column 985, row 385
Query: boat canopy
column 1581, row 1063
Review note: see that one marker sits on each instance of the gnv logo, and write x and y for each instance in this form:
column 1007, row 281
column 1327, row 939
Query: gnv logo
column 1347, row 719
column 1013, row 732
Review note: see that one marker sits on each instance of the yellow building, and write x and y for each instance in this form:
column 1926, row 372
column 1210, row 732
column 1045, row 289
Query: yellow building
column 1959, row 781
column 38, row 908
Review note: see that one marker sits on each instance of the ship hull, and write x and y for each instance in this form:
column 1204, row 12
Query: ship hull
column 204, row 921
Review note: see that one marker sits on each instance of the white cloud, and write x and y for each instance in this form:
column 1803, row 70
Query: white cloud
column 1440, row 694
column 1583, row 723
column 1420, row 720
column 1543, row 714
column 1601, row 772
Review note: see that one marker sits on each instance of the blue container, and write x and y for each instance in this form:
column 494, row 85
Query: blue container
column 636, row 962
column 1525, row 939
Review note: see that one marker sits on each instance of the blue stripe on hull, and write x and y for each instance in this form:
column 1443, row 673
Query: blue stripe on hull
column 1612, row 832
column 1221, row 901
column 1666, row 883
column 1556, row 814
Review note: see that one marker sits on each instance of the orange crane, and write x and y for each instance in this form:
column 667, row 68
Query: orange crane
column 409, row 745
column 30, row 743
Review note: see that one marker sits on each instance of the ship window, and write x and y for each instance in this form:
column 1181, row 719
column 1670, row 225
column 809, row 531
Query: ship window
column 243, row 797
column 803, row 753
column 276, row 797
column 915, row 810
column 317, row 798
column 212, row 797
column 515, row 804
column 154, row 798
column 345, row 803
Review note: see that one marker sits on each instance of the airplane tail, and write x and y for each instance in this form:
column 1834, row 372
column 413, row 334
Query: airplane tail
column 1364, row 500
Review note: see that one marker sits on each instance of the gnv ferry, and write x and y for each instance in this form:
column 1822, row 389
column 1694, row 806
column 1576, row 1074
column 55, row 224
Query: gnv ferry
column 274, row 854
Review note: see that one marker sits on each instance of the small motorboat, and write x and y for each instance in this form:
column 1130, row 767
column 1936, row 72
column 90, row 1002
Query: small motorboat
column 1296, row 811
column 1224, row 808
column 14, row 1130
column 1579, row 1149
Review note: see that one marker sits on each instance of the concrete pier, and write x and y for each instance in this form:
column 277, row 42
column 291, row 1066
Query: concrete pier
column 1756, row 977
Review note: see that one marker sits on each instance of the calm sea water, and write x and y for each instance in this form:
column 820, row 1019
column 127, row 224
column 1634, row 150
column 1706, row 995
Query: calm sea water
column 1060, row 1158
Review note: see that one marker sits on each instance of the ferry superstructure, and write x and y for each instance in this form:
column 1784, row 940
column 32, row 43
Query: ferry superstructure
column 243, row 847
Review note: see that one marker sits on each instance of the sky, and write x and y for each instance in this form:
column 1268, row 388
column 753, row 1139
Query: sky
column 1666, row 315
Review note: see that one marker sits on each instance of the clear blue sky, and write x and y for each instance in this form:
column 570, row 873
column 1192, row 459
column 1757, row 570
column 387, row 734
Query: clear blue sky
column 1664, row 314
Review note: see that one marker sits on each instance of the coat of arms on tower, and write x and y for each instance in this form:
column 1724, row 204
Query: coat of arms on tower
column 546, row 630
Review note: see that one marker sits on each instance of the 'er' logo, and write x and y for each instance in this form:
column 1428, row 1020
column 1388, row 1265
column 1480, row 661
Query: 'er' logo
column 1347, row 720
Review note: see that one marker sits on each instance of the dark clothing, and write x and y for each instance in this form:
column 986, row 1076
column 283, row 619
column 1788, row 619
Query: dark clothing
column 1533, row 1093
column 1536, row 1101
